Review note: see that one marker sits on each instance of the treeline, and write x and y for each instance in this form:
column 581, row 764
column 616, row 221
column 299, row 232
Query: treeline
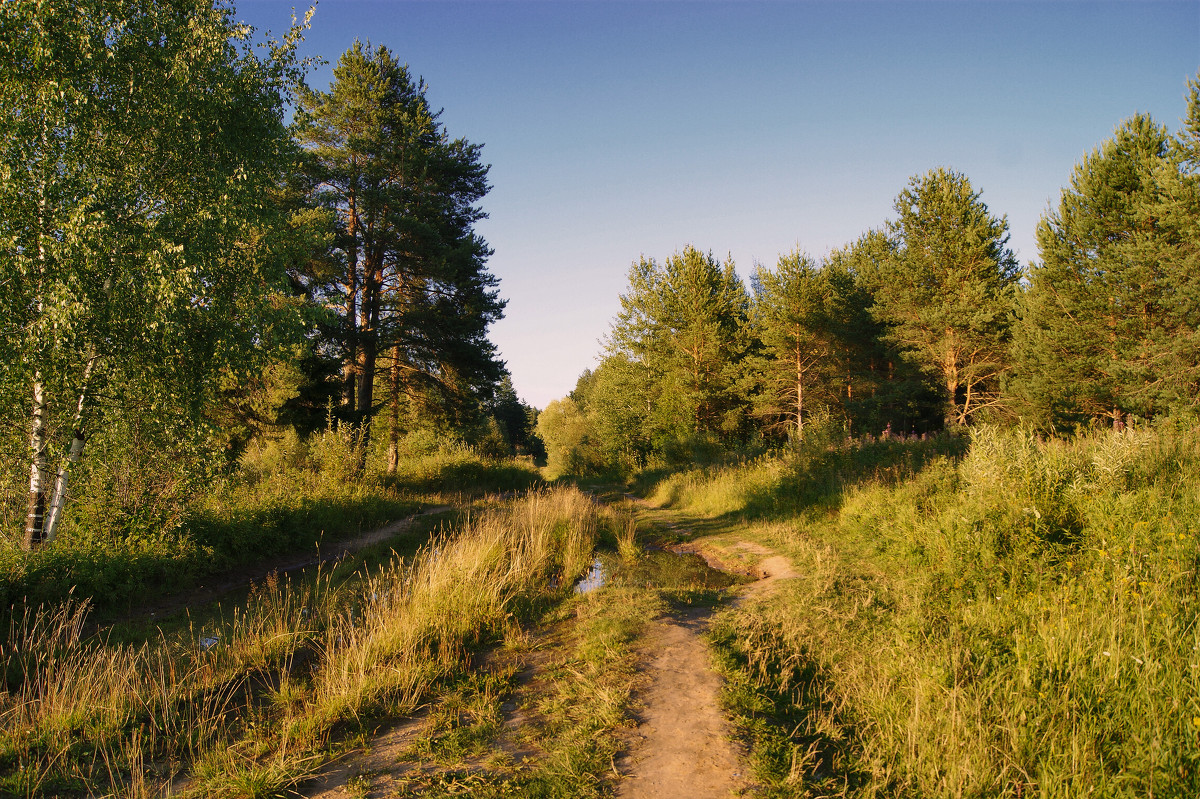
column 181, row 271
column 923, row 324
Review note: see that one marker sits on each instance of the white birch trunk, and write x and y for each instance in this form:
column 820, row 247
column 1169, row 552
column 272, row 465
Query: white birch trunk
column 59, row 497
column 35, row 517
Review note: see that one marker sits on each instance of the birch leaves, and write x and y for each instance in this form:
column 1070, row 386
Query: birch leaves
column 139, row 146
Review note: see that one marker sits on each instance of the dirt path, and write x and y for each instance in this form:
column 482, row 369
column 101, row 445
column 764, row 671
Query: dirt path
column 385, row 767
column 218, row 586
column 682, row 746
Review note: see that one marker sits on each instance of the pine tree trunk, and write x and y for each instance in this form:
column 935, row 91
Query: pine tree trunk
column 368, row 355
column 350, row 368
column 799, row 395
column 35, row 517
column 394, row 415
column 950, row 371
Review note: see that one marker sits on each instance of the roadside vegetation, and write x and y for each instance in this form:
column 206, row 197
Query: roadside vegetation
column 1016, row 617
column 251, row 702
column 216, row 355
column 158, row 532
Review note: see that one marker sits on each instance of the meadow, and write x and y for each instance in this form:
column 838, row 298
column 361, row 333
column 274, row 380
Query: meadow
column 995, row 615
column 253, row 700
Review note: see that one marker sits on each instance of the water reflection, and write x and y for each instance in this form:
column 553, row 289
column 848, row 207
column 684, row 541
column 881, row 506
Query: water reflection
column 595, row 578
column 673, row 572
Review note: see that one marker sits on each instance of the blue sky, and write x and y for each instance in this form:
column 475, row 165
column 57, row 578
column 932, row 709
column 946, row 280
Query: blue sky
column 621, row 129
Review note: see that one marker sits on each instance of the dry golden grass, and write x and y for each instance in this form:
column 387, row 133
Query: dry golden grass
column 249, row 708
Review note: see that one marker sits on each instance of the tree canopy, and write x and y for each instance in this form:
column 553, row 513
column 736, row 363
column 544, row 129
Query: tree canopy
column 947, row 292
column 140, row 146
column 683, row 320
column 407, row 276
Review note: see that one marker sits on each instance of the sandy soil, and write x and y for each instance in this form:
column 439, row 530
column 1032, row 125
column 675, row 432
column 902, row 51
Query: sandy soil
column 382, row 768
column 682, row 746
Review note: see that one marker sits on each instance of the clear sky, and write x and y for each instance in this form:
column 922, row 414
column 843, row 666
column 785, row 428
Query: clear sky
column 621, row 129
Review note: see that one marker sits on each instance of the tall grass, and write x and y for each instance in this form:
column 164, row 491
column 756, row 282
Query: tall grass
column 1022, row 622
column 814, row 477
column 286, row 495
column 249, row 707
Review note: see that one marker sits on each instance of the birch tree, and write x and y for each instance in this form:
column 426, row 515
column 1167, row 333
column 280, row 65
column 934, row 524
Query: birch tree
column 139, row 146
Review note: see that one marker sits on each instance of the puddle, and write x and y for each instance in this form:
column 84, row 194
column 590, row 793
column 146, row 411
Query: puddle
column 675, row 572
column 596, row 577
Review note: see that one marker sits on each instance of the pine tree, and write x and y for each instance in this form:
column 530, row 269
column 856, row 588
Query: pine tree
column 684, row 321
column 1109, row 324
column 1097, row 301
column 947, row 293
column 412, row 292
column 803, row 316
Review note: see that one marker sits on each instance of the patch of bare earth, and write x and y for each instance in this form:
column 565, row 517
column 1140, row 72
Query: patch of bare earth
column 682, row 746
column 219, row 585
column 391, row 764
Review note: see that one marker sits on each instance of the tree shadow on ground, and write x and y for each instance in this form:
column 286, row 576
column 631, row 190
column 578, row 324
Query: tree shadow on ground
column 817, row 481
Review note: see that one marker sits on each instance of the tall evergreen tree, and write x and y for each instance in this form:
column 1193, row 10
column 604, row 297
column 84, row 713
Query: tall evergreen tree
column 1091, row 304
column 685, row 322
column 883, row 390
column 411, row 289
column 947, row 293
column 802, row 314
column 1109, row 323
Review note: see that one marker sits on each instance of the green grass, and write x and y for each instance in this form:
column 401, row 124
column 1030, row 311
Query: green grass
column 286, row 497
column 575, row 704
column 1018, row 621
column 296, row 669
column 811, row 479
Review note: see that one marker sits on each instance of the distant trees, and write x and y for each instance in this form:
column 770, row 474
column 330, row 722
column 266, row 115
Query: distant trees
column 407, row 280
column 803, row 315
column 570, row 440
column 947, row 291
column 684, row 322
column 1109, row 323
column 140, row 147
column 907, row 329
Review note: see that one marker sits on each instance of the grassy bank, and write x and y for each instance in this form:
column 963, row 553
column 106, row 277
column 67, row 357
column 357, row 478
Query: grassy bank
column 251, row 706
column 286, row 496
column 1020, row 620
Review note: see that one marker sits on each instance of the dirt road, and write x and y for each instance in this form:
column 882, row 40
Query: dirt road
column 682, row 747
